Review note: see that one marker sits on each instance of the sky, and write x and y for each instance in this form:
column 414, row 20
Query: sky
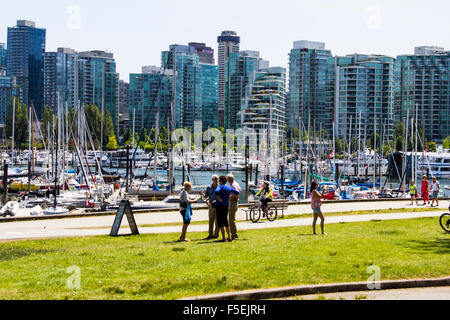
column 136, row 31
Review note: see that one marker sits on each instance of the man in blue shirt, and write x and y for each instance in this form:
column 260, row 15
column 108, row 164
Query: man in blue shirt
column 223, row 193
column 210, row 194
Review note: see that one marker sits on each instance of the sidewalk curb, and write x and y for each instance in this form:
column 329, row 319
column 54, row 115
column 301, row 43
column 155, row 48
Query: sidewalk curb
column 322, row 289
column 162, row 210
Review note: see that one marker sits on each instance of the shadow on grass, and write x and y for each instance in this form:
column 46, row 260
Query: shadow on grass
column 12, row 253
column 437, row 246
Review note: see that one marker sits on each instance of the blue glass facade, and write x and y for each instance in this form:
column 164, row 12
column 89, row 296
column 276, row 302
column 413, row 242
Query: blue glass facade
column 240, row 72
column 59, row 74
column 423, row 81
column 7, row 91
column 25, row 61
column 364, row 85
column 188, row 88
column 311, row 87
column 210, row 95
column 146, row 97
column 267, row 102
column 98, row 82
column 3, row 52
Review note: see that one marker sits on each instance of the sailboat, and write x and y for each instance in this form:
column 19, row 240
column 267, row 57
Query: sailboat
column 56, row 210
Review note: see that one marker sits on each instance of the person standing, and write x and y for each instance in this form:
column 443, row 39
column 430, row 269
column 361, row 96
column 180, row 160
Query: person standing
column 222, row 205
column 210, row 194
column 316, row 205
column 185, row 202
column 413, row 192
column 435, row 187
column 234, row 202
column 425, row 190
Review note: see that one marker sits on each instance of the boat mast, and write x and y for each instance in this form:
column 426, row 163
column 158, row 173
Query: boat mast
column 155, row 152
column 375, row 155
column 13, row 127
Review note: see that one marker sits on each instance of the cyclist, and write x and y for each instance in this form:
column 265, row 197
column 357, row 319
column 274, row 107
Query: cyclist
column 266, row 196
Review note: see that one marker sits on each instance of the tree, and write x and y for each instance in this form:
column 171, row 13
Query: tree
column 446, row 144
column 112, row 143
column 20, row 123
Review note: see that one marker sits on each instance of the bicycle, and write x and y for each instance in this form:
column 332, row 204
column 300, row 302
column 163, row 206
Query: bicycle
column 444, row 221
column 271, row 213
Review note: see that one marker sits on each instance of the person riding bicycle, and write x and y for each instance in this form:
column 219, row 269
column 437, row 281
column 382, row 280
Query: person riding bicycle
column 266, row 196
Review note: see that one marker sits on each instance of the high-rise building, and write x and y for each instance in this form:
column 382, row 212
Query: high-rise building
column 97, row 83
column 25, row 62
column 188, row 94
column 124, row 97
column 59, row 75
column 266, row 106
column 423, row 83
column 3, row 52
column 364, row 89
column 240, row 73
column 311, row 86
column 205, row 54
column 210, row 95
column 150, row 94
column 229, row 43
column 7, row 91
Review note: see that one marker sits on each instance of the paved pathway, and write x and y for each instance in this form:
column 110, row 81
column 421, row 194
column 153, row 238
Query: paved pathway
column 94, row 226
column 438, row 293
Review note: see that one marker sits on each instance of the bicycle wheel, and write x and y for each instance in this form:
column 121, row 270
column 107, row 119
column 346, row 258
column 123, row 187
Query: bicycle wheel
column 272, row 214
column 255, row 215
column 445, row 222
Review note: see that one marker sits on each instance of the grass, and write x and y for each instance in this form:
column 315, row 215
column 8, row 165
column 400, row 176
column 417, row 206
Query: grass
column 287, row 217
column 156, row 267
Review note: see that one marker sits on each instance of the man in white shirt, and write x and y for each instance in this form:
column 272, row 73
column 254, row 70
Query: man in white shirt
column 234, row 201
column 435, row 187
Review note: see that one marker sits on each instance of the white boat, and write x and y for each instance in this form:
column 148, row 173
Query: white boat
column 55, row 210
column 436, row 164
column 10, row 209
column 447, row 187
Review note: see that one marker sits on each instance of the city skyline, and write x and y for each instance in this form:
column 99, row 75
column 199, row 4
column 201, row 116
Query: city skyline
column 375, row 27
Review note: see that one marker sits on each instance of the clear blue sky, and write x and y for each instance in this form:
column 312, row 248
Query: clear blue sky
column 137, row 31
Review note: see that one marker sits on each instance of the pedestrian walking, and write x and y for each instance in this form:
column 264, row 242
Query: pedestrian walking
column 413, row 192
column 222, row 206
column 186, row 210
column 316, row 205
column 435, row 188
column 210, row 194
column 425, row 190
column 234, row 202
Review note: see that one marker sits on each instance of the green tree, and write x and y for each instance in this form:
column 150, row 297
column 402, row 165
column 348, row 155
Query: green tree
column 112, row 143
column 20, row 123
column 446, row 144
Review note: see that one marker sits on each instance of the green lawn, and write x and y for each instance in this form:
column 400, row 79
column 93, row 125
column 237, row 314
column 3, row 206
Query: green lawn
column 155, row 267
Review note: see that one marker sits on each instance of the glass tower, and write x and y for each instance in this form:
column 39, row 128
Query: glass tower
column 240, row 72
column 59, row 73
column 187, row 88
column 25, row 62
column 3, row 52
column 97, row 82
column 229, row 43
column 146, row 97
column 266, row 106
column 364, row 86
column 311, row 86
column 423, row 82
column 210, row 95
column 7, row 91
